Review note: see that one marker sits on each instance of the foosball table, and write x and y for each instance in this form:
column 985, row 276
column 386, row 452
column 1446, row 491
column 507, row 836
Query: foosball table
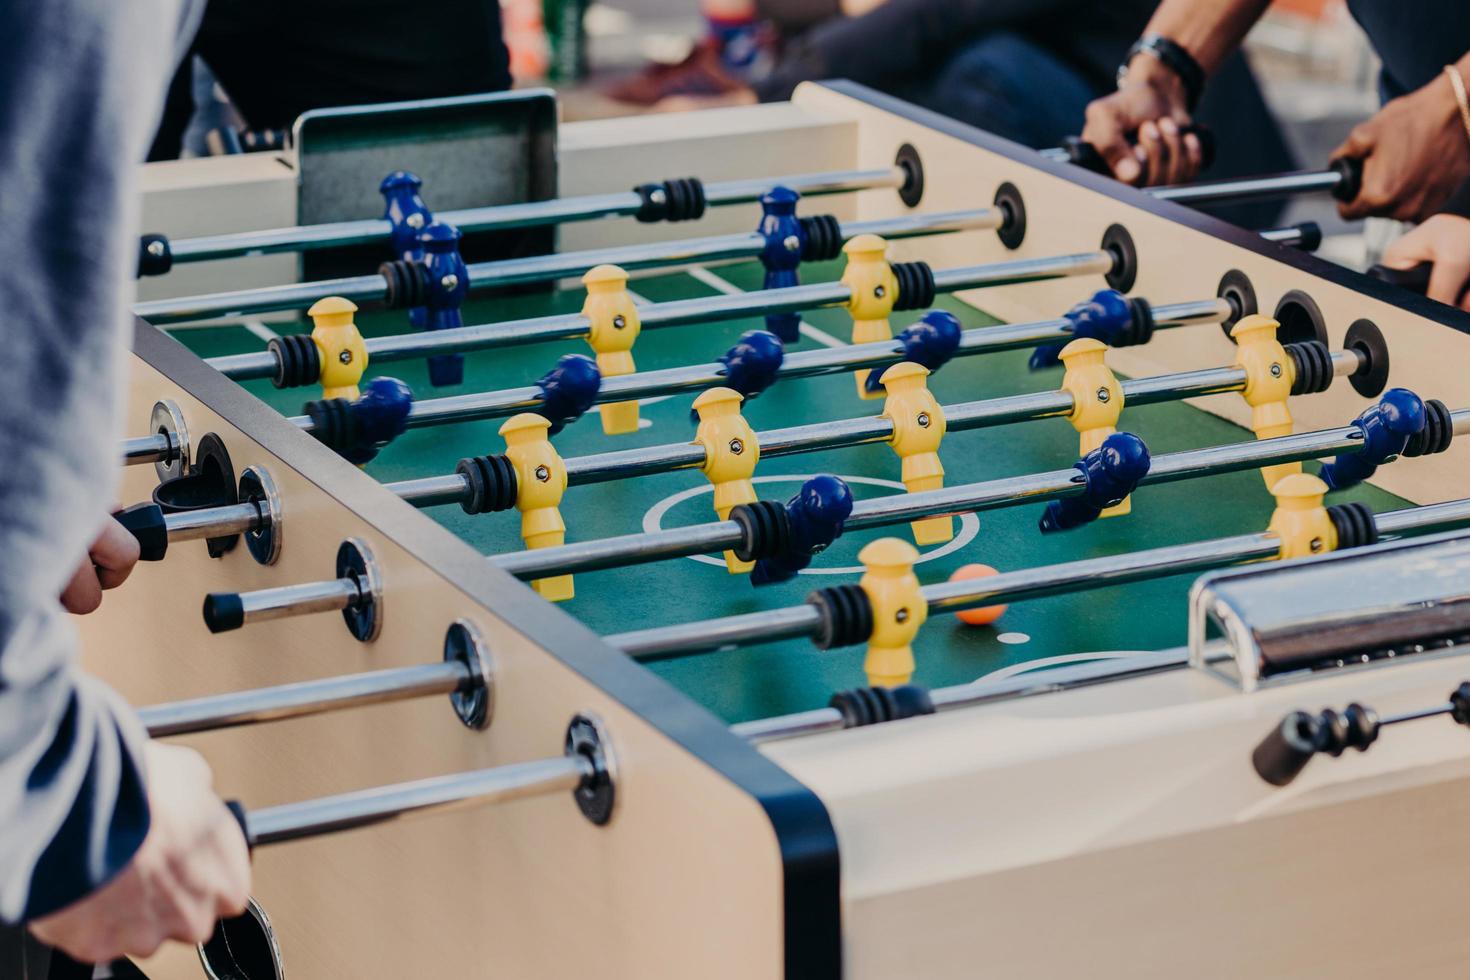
column 815, row 681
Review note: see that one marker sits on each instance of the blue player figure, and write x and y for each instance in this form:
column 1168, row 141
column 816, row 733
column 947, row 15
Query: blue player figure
column 1387, row 428
column 1110, row 473
column 447, row 282
column 815, row 517
column 410, row 219
column 785, row 244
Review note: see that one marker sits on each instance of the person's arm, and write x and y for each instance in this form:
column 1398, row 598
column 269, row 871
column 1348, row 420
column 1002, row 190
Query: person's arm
column 1415, row 152
column 1152, row 102
column 81, row 84
column 1444, row 242
column 897, row 40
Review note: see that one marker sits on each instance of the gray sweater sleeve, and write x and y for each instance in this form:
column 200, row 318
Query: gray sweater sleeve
column 81, row 85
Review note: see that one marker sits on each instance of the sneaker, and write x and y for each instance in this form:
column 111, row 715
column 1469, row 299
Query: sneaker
column 702, row 73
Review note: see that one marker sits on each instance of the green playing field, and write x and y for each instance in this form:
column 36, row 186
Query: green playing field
column 792, row 675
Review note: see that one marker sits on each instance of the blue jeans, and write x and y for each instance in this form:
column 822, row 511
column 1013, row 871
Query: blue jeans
column 1009, row 85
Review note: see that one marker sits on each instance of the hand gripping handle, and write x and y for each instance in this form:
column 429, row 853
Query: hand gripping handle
column 1082, row 154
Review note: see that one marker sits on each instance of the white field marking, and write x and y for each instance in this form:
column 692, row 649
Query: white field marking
column 260, row 330
column 1045, row 662
column 1014, row 639
column 723, row 285
column 644, row 422
column 820, row 336
column 718, row 283
column 654, row 521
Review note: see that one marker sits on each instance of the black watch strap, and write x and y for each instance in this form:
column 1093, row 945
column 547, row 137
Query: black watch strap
column 1176, row 59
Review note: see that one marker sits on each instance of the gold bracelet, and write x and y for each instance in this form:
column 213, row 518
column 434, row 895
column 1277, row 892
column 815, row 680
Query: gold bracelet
column 1457, row 82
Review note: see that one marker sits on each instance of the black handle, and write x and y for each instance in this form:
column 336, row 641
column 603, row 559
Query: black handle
column 1351, row 173
column 1415, row 278
column 237, row 810
column 146, row 523
column 223, row 611
column 155, row 257
column 1081, row 153
column 1285, row 752
column 1309, row 236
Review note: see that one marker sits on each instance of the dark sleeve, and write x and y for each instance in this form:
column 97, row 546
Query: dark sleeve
column 896, row 41
column 81, row 83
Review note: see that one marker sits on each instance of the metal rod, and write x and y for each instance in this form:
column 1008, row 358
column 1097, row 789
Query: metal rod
column 543, row 268
column 1306, row 235
column 1434, row 712
column 509, row 216
column 306, row 698
column 1250, row 188
column 432, row 491
column 987, row 340
column 182, row 309
column 723, row 633
column 331, row 595
column 635, row 549
column 627, row 549
column 1447, row 516
column 214, row 522
column 630, row 463
column 1031, row 583
column 666, row 642
column 802, row 364
column 982, row 692
column 706, row 309
column 155, row 448
column 290, row 821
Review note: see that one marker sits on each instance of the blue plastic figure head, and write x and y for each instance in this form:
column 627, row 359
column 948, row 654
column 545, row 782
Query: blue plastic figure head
column 1109, row 473
column 568, row 390
column 931, row 341
column 379, row 416
column 1387, row 428
column 815, row 515
column 405, row 211
column 1105, row 316
column 754, row 362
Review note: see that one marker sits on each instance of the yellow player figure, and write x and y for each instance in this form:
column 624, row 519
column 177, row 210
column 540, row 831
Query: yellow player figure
column 541, row 479
column 1097, row 400
column 614, row 327
column 1269, row 374
column 918, row 428
column 874, row 289
column 343, row 354
column 899, row 610
column 1300, row 520
column 731, row 452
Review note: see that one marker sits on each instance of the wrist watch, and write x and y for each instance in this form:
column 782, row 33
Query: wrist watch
column 1173, row 57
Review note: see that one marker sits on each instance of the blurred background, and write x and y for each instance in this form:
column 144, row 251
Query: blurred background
column 608, row 58
column 1315, row 69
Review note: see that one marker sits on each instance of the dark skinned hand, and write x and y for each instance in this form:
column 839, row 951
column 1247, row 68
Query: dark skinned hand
column 1415, row 154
